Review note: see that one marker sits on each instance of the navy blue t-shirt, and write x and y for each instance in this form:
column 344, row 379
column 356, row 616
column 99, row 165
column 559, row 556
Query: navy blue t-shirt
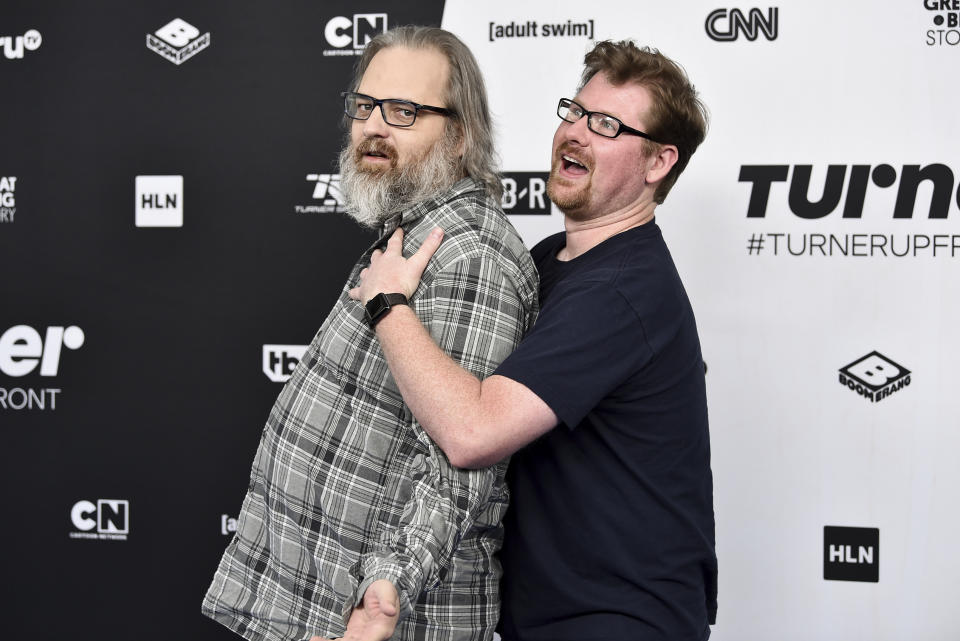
column 610, row 531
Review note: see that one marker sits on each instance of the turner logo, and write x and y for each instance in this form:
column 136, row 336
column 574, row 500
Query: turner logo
column 22, row 350
column 726, row 25
column 874, row 377
column 279, row 361
column 159, row 201
column 350, row 36
column 525, row 193
column 326, row 190
column 108, row 519
column 946, row 13
column 851, row 554
column 14, row 46
column 8, row 198
column 177, row 41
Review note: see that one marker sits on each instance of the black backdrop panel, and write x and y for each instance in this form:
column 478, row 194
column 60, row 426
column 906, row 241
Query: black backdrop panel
column 158, row 399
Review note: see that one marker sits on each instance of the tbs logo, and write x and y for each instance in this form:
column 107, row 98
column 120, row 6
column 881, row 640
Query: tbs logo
column 279, row 361
column 342, row 32
column 107, row 519
column 851, row 554
column 874, row 377
column 524, row 193
column 177, row 41
column 22, row 349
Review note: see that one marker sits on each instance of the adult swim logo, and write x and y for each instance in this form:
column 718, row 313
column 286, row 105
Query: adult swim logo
column 158, row 201
column 874, row 377
column 539, row 29
column 851, row 554
column 178, row 41
column 727, row 25
column 107, row 520
column 349, row 37
column 327, row 197
column 8, row 198
column 946, row 13
column 14, row 46
column 22, row 350
column 845, row 188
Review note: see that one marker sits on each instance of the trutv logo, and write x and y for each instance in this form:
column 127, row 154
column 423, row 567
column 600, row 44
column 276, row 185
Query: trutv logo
column 22, row 351
column 350, row 36
column 13, row 46
column 107, row 519
column 857, row 179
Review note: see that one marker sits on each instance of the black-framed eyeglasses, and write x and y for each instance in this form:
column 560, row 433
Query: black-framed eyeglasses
column 599, row 123
column 397, row 113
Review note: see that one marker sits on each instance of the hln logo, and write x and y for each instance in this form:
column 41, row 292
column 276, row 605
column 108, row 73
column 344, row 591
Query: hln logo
column 279, row 361
column 159, row 201
column 851, row 554
column 109, row 517
column 874, row 377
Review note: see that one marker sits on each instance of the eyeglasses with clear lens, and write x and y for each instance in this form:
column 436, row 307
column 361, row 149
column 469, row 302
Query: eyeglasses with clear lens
column 599, row 123
column 397, row 113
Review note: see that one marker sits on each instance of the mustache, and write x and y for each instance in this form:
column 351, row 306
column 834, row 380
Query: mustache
column 375, row 146
column 568, row 149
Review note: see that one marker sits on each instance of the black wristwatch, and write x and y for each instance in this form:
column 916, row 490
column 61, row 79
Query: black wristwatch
column 378, row 306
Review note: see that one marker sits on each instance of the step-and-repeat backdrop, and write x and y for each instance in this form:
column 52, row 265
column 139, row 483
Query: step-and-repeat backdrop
column 171, row 237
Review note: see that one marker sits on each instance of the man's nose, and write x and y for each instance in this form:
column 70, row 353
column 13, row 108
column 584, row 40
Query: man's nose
column 375, row 126
column 575, row 132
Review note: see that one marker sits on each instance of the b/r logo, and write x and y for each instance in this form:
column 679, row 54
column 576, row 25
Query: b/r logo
column 524, row 193
column 342, row 32
column 107, row 519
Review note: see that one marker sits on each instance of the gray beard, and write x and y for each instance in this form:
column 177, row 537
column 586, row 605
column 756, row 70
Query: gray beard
column 372, row 198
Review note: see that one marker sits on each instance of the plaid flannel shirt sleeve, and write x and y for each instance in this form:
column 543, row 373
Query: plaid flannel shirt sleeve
column 474, row 313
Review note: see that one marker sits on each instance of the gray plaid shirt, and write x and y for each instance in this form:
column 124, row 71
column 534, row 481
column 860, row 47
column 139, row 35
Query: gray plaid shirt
column 347, row 488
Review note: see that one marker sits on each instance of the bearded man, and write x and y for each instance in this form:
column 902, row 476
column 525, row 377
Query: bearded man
column 355, row 524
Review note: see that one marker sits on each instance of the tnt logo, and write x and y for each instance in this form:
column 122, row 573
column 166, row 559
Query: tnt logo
column 178, row 41
column 13, row 46
column 725, row 26
column 108, row 519
column 342, row 32
column 8, row 198
column 524, row 193
column 22, row 349
column 279, row 361
column 874, row 377
column 851, row 554
column 159, row 201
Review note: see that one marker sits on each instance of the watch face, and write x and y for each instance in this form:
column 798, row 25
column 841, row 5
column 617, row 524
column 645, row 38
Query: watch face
column 376, row 307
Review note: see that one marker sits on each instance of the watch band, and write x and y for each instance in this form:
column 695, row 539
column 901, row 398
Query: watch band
column 378, row 306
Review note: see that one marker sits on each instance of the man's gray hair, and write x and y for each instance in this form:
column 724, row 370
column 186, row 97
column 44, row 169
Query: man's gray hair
column 465, row 95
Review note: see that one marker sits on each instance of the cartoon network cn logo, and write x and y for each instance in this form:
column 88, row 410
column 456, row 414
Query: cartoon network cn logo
column 350, row 36
column 725, row 25
column 874, row 377
column 326, row 190
column 279, row 361
column 13, row 46
column 159, row 201
column 178, row 41
column 108, row 519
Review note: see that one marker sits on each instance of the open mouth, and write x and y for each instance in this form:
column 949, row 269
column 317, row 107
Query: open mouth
column 572, row 166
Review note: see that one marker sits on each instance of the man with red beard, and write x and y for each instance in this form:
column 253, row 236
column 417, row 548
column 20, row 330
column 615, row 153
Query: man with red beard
column 610, row 531
column 355, row 524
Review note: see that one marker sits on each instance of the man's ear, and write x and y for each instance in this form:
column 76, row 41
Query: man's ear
column 661, row 162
